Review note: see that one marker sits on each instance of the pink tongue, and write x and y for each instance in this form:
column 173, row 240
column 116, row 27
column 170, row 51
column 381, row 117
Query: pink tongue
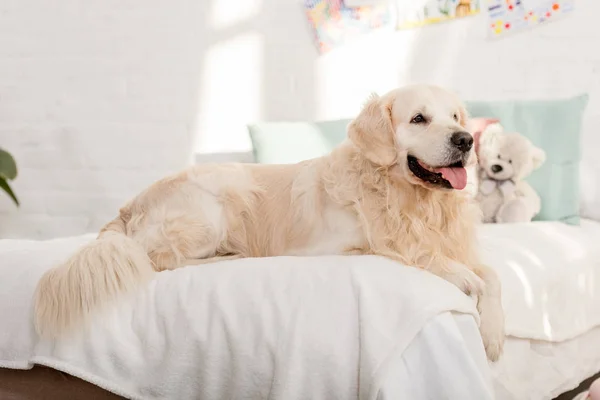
column 456, row 176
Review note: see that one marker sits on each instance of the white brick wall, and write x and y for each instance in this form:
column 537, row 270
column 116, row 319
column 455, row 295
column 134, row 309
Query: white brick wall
column 96, row 102
column 98, row 99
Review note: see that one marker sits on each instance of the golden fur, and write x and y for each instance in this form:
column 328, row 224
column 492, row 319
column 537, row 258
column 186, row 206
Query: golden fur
column 360, row 199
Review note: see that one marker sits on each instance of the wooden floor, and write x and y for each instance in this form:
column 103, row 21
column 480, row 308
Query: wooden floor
column 41, row 383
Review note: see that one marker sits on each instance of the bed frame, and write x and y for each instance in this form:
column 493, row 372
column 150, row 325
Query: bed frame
column 47, row 383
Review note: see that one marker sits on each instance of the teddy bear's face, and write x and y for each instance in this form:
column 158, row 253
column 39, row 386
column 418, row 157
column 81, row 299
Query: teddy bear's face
column 510, row 156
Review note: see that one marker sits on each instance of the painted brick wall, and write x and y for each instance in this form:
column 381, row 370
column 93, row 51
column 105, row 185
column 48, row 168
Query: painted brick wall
column 95, row 103
column 98, row 99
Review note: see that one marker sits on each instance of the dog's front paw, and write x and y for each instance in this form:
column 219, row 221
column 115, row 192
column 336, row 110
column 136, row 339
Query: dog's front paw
column 492, row 328
column 494, row 345
column 473, row 284
column 464, row 279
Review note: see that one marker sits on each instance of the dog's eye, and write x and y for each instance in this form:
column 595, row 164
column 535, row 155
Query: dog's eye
column 418, row 119
column 455, row 117
column 499, row 156
column 510, row 161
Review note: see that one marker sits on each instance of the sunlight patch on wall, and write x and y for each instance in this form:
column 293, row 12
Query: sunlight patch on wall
column 436, row 54
column 346, row 76
column 227, row 13
column 230, row 94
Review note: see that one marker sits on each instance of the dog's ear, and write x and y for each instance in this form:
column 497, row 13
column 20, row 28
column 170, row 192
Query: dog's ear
column 373, row 132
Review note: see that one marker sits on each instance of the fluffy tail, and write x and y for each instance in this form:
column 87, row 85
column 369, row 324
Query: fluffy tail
column 94, row 276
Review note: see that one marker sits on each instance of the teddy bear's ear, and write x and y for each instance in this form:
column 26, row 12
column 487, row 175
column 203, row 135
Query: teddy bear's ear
column 490, row 134
column 493, row 129
column 538, row 157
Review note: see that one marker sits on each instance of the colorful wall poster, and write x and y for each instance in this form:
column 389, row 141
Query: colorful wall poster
column 335, row 24
column 508, row 16
column 435, row 11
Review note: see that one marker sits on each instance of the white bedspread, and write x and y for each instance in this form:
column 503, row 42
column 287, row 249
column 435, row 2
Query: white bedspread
column 550, row 273
column 323, row 326
column 279, row 328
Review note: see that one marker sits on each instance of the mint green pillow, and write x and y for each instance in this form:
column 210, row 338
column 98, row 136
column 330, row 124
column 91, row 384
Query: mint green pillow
column 292, row 142
column 555, row 126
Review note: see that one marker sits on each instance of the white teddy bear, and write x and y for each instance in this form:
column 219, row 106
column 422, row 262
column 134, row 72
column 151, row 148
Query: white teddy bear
column 505, row 160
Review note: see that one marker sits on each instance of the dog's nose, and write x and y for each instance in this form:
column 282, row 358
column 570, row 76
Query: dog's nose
column 496, row 168
column 462, row 140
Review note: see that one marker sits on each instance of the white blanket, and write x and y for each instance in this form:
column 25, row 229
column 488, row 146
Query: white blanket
column 279, row 328
column 340, row 322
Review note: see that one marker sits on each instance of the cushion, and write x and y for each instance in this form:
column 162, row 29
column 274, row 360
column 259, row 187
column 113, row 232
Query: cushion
column 555, row 126
column 291, row 142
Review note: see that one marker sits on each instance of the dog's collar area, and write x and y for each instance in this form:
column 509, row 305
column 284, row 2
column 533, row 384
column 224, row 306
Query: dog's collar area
column 434, row 178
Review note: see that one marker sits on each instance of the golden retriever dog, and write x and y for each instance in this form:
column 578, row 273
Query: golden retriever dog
column 393, row 188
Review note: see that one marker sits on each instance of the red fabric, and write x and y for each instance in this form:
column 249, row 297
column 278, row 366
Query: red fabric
column 478, row 125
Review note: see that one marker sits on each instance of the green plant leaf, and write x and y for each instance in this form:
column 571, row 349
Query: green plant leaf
column 8, row 167
column 4, row 185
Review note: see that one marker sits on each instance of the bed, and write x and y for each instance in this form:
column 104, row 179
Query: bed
column 550, row 273
column 323, row 327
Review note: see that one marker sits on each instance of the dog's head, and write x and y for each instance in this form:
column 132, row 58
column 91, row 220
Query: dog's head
column 420, row 129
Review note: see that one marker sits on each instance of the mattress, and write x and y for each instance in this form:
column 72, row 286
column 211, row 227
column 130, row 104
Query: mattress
column 548, row 272
column 541, row 370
